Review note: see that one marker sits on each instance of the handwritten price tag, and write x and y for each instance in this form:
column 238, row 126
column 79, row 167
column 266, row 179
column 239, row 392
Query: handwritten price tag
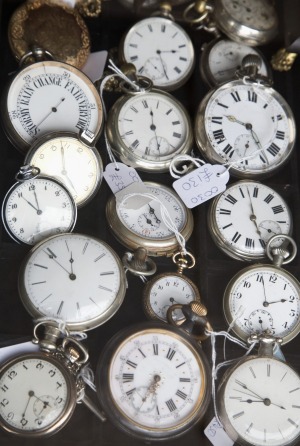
column 118, row 176
column 201, row 184
column 216, row 434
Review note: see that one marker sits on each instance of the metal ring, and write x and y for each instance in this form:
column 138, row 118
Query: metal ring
column 285, row 237
column 37, row 53
column 128, row 262
column 190, row 20
column 144, row 83
column 176, row 260
column 81, row 348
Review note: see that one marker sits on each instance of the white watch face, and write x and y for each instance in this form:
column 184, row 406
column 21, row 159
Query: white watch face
column 34, row 395
column 36, row 209
column 156, row 380
column 247, row 215
column 147, row 221
column 168, row 290
column 262, row 402
column 256, row 14
column 264, row 298
column 71, row 162
column 225, row 58
column 52, row 96
column 250, row 124
column 160, row 50
column 72, row 277
column 153, row 126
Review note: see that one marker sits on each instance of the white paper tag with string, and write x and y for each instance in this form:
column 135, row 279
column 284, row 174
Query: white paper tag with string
column 202, row 184
column 216, row 434
column 94, row 66
column 118, row 176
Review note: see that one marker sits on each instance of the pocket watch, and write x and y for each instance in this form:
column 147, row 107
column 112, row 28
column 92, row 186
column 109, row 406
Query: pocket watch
column 146, row 129
column 243, row 218
column 246, row 125
column 153, row 381
column 170, row 288
column 161, row 50
column 39, row 391
column 72, row 159
column 73, row 277
column 258, row 399
column 252, row 22
column 37, row 206
column 221, row 58
column 144, row 227
column 49, row 96
column 40, row 23
column 265, row 297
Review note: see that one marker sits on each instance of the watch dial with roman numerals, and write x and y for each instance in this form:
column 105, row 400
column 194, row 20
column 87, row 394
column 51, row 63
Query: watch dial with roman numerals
column 161, row 50
column 259, row 402
column 246, row 125
column 154, row 381
column 244, row 217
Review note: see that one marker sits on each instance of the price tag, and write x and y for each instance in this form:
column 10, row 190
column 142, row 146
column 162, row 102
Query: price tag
column 95, row 64
column 201, row 184
column 17, row 349
column 216, row 434
column 118, row 176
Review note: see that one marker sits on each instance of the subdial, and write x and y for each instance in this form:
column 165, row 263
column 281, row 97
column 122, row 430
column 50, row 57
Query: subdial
column 268, row 228
column 143, row 399
column 260, row 320
column 148, row 221
column 154, row 68
column 43, row 405
column 244, row 145
column 158, row 146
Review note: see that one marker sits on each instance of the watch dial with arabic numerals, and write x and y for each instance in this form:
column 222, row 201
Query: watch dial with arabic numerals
column 154, row 382
column 50, row 96
column 145, row 226
column 247, row 125
column 244, row 217
column 259, row 402
column 221, row 58
column 147, row 130
column 161, row 50
column 72, row 162
column 35, row 209
column 35, row 394
column 263, row 297
column 165, row 290
column 73, row 277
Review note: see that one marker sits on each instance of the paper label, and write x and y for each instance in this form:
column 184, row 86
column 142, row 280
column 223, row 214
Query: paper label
column 136, row 201
column 17, row 349
column 118, row 176
column 201, row 184
column 94, row 65
column 216, row 434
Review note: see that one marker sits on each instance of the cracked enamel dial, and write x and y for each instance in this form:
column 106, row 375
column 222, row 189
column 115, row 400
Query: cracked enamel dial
column 50, row 96
column 252, row 22
column 68, row 158
column 161, row 50
column 247, row 126
column 148, row 129
column 145, row 225
column 73, row 277
column 36, row 209
column 165, row 290
column 258, row 402
column 37, row 395
column 221, row 58
column 260, row 298
column 154, row 382
column 244, row 217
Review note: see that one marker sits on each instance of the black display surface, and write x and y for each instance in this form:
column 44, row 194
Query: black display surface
column 213, row 269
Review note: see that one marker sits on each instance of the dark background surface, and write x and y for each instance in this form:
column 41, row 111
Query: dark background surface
column 213, row 269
